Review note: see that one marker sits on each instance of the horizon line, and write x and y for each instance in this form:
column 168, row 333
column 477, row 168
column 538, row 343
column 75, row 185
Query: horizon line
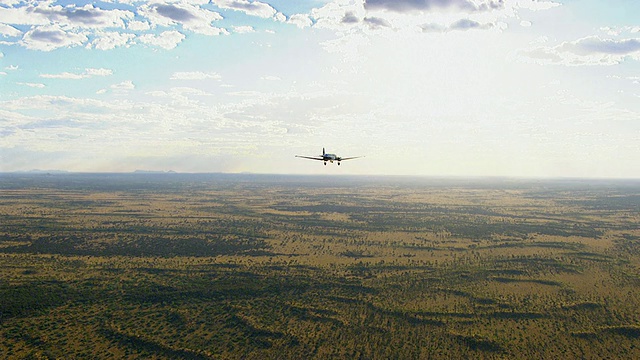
column 443, row 176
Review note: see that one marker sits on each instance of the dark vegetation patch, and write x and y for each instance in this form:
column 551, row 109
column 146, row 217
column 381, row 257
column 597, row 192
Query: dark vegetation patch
column 584, row 306
column 356, row 254
column 541, row 244
column 141, row 245
column 32, row 298
column 537, row 265
column 631, row 331
column 590, row 256
column 629, row 244
column 628, row 331
column 146, row 347
column 532, row 281
column 619, row 201
column 478, row 343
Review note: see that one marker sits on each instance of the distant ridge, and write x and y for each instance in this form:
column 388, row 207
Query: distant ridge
column 154, row 172
column 38, row 171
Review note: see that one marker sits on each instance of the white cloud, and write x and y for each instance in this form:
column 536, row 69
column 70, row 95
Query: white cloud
column 271, row 78
column 190, row 17
column 619, row 31
column 69, row 17
column 179, row 96
column 91, row 72
column 64, row 75
column 136, row 25
column 125, row 85
column 590, row 50
column 610, row 31
column 195, row 75
column 331, row 15
column 111, row 40
column 596, row 45
column 33, row 85
column 243, row 29
column 99, row 72
column 300, row 20
column 166, row 40
column 255, row 8
column 280, row 17
column 376, row 22
column 428, row 15
column 87, row 16
column 171, row 126
column 534, row 4
column 9, row 31
column 51, row 37
column 56, row 26
column 10, row 2
column 430, row 5
column 24, row 15
column 460, row 25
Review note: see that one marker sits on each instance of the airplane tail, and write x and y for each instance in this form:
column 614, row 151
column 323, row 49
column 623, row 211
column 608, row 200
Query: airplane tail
column 323, row 152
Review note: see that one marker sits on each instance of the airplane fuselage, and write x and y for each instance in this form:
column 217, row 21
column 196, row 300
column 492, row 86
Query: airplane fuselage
column 331, row 158
column 328, row 157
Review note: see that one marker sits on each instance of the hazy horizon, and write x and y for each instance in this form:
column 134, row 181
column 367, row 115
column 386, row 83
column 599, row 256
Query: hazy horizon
column 489, row 88
column 435, row 179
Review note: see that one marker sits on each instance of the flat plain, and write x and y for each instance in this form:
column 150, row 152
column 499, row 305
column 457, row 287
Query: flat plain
column 204, row 266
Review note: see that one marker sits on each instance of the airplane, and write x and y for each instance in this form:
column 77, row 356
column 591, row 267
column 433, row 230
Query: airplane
column 328, row 157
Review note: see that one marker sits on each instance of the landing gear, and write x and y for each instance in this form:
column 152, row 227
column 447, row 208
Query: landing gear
column 325, row 163
column 338, row 163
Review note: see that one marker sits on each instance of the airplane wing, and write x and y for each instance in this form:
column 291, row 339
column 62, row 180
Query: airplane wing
column 309, row 157
column 349, row 158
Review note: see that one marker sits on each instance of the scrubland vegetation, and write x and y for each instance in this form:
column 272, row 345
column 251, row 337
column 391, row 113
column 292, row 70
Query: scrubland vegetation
column 254, row 267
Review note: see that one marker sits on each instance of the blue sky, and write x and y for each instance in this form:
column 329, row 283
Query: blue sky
column 532, row 88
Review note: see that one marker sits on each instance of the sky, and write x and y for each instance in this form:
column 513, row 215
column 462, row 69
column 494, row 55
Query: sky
column 522, row 88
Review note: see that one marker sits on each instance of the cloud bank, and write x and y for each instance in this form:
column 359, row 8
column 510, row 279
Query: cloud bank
column 591, row 50
column 428, row 5
column 47, row 25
